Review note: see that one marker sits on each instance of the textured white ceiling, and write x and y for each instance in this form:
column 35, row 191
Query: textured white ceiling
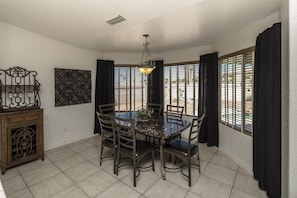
column 172, row 24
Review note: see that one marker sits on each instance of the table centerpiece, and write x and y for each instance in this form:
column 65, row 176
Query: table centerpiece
column 144, row 114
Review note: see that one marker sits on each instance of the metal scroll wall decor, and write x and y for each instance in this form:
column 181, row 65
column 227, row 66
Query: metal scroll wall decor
column 19, row 89
column 72, row 87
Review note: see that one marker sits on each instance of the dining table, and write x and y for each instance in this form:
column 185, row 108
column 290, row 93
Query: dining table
column 160, row 127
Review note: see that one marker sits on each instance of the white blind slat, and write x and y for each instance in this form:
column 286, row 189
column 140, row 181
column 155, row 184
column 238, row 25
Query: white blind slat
column 236, row 81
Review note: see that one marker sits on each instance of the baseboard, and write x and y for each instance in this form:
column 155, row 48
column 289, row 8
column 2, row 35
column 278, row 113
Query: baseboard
column 68, row 142
column 240, row 163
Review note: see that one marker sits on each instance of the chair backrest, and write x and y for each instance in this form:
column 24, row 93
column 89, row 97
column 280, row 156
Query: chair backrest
column 174, row 112
column 107, row 127
column 157, row 108
column 125, row 129
column 195, row 130
column 107, row 108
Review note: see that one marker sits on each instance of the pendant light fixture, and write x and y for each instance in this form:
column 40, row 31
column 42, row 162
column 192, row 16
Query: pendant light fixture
column 147, row 65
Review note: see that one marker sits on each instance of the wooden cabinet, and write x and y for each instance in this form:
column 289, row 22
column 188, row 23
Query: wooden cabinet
column 21, row 137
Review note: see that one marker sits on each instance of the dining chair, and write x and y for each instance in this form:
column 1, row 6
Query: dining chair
column 157, row 108
column 174, row 112
column 186, row 149
column 129, row 146
column 108, row 136
column 107, row 108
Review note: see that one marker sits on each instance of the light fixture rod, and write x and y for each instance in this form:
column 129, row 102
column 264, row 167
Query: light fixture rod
column 147, row 65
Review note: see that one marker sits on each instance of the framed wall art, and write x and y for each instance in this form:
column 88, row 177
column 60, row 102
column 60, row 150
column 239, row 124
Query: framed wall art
column 72, row 87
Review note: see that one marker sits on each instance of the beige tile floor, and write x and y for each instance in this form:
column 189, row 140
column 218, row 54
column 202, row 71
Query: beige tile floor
column 73, row 171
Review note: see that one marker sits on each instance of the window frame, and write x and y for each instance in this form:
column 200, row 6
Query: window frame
column 130, row 106
column 243, row 89
column 179, row 84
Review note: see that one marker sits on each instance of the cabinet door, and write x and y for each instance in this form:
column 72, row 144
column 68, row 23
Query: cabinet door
column 23, row 143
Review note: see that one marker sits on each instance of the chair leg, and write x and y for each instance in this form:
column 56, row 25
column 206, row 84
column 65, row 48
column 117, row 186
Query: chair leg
column 189, row 167
column 164, row 159
column 114, row 161
column 117, row 163
column 175, row 159
column 198, row 159
column 134, row 172
column 153, row 159
column 101, row 152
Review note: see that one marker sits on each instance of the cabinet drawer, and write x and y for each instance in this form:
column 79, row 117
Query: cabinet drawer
column 22, row 117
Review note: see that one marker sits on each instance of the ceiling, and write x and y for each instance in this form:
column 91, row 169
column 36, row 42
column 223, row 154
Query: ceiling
column 172, row 24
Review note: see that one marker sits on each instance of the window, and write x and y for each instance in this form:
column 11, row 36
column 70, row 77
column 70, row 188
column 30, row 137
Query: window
column 236, row 90
column 130, row 88
column 181, row 86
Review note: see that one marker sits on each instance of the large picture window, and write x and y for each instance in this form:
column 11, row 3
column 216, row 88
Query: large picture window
column 236, row 90
column 130, row 88
column 181, row 86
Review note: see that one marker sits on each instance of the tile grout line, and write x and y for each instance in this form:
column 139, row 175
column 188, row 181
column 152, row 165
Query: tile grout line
column 207, row 163
column 121, row 179
column 234, row 181
column 68, row 178
column 151, row 186
column 25, row 182
column 103, row 169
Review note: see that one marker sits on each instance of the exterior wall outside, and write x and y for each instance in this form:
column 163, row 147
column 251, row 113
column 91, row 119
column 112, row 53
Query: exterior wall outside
column 19, row 47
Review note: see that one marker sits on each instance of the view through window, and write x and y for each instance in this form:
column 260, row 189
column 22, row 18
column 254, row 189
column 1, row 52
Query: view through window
column 181, row 86
column 236, row 90
column 130, row 88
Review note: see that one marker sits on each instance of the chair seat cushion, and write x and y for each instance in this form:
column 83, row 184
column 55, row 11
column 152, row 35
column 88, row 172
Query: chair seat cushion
column 180, row 147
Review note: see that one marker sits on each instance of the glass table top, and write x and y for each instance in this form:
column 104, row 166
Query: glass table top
column 157, row 126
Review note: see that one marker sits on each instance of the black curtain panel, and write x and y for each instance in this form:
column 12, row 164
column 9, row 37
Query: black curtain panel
column 155, row 92
column 208, row 99
column 267, row 111
column 104, row 87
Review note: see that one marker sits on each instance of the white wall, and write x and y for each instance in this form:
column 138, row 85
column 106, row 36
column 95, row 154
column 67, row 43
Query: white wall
column 34, row 52
column 184, row 55
column 124, row 58
column 292, row 98
column 237, row 145
column 285, row 97
column 245, row 37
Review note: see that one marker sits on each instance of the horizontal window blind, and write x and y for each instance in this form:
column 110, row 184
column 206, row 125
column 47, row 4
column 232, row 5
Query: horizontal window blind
column 235, row 89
